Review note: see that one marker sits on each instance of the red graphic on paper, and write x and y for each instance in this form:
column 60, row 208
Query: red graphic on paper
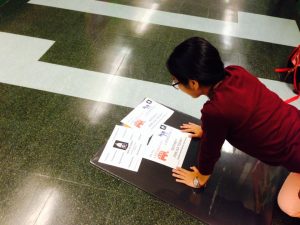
column 162, row 155
column 139, row 123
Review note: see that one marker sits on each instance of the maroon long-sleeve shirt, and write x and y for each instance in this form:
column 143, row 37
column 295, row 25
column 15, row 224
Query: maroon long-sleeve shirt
column 253, row 119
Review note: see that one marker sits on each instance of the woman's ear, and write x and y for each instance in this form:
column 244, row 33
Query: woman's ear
column 194, row 85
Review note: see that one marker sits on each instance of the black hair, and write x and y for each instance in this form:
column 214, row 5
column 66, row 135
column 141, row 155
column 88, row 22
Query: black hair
column 196, row 59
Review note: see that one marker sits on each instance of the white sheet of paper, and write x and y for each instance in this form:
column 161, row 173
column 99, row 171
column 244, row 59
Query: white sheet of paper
column 168, row 146
column 125, row 148
column 147, row 116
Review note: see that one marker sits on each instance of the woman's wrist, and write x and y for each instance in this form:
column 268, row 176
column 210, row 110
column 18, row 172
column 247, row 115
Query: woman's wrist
column 196, row 182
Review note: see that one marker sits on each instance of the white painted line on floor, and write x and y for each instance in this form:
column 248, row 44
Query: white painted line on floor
column 250, row 26
column 20, row 66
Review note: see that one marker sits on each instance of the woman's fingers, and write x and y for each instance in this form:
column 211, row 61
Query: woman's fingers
column 189, row 124
column 180, row 170
column 185, row 127
column 192, row 128
column 177, row 171
column 180, row 176
column 187, row 130
column 181, row 181
column 194, row 168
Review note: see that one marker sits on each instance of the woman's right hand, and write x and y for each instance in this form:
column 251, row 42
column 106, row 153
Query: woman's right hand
column 195, row 130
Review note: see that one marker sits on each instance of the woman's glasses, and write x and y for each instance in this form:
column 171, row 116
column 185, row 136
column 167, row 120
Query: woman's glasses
column 175, row 84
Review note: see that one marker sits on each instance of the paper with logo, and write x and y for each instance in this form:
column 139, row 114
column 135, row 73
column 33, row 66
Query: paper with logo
column 147, row 116
column 124, row 148
column 168, row 146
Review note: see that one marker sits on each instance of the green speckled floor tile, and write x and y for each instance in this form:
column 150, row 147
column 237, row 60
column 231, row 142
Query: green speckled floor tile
column 246, row 46
column 138, row 69
column 58, row 22
column 30, row 199
column 32, row 19
column 78, row 169
column 229, row 58
column 57, row 139
column 223, row 11
column 130, row 57
column 259, row 65
column 256, row 7
column 31, row 147
column 68, row 53
column 22, row 198
column 114, row 54
column 106, row 26
column 137, row 29
column 179, row 35
column 227, row 14
column 79, row 27
column 135, row 207
column 194, row 8
column 225, row 43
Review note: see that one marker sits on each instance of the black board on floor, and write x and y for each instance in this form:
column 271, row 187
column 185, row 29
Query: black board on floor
column 241, row 190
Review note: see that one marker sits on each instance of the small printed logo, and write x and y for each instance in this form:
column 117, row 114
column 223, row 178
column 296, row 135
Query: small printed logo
column 146, row 107
column 163, row 134
column 139, row 123
column 120, row 145
column 162, row 155
column 163, row 127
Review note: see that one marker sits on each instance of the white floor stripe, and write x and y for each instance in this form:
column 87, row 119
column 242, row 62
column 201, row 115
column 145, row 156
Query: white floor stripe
column 19, row 66
column 250, row 26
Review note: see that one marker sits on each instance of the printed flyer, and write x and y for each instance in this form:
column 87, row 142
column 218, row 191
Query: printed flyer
column 168, row 146
column 124, row 148
column 147, row 116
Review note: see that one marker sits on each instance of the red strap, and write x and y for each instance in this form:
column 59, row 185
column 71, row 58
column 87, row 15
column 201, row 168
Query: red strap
column 293, row 52
column 292, row 99
column 282, row 70
column 295, row 79
column 295, row 59
column 295, row 88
